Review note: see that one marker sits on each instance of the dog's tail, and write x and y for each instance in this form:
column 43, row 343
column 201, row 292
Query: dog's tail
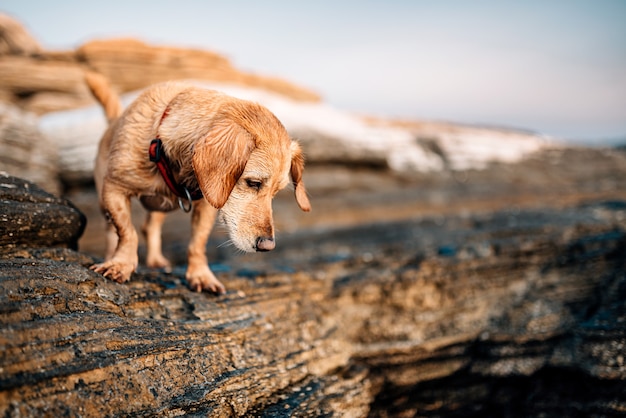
column 102, row 91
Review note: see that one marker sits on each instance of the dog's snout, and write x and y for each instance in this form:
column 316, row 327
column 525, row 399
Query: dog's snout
column 265, row 244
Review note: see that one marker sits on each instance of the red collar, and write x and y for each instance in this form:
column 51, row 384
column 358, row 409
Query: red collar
column 157, row 156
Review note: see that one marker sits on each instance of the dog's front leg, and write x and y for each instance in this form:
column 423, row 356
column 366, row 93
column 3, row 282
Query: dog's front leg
column 199, row 276
column 116, row 206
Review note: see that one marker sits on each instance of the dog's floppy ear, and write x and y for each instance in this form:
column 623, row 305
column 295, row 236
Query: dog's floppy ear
column 297, row 167
column 219, row 160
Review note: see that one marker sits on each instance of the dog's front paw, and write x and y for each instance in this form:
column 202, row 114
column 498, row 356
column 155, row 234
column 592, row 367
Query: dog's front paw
column 116, row 271
column 202, row 278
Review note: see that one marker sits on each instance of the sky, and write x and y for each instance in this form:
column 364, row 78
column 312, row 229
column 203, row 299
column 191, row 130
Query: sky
column 557, row 67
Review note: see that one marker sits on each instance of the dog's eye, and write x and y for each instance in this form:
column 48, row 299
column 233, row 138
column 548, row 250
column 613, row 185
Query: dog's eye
column 254, row 184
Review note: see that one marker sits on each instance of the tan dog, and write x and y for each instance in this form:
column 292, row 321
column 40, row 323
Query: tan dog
column 236, row 153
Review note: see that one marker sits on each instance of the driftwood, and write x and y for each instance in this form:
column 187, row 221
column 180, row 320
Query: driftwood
column 514, row 313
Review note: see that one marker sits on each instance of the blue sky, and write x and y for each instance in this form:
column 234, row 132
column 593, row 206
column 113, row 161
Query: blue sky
column 557, row 67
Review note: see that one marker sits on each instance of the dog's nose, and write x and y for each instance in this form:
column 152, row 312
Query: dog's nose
column 265, row 244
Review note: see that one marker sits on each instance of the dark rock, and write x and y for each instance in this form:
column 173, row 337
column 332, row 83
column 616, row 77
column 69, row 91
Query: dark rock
column 31, row 217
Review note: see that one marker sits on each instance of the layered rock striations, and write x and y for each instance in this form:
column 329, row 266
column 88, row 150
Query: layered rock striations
column 438, row 275
column 513, row 313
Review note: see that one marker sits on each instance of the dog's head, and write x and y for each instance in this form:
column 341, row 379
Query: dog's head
column 242, row 163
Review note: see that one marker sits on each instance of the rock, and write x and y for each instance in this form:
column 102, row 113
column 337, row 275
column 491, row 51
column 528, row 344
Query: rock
column 468, row 147
column 77, row 142
column 525, row 317
column 42, row 81
column 32, row 218
column 15, row 39
column 132, row 65
column 26, row 152
column 493, row 287
column 547, row 347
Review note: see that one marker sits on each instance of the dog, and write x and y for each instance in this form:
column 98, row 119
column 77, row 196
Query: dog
column 207, row 152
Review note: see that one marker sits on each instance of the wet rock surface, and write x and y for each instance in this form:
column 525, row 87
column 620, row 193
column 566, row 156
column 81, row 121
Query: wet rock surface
column 31, row 217
column 447, row 292
column 480, row 293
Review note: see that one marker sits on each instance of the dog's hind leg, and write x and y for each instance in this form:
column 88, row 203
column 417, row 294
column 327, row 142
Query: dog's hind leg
column 110, row 238
column 152, row 229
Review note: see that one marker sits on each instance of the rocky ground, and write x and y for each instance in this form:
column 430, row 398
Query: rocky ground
column 442, row 292
column 496, row 292
column 352, row 196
